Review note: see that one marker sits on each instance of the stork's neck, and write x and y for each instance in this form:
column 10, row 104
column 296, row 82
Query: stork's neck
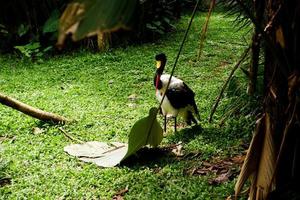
column 157, row 82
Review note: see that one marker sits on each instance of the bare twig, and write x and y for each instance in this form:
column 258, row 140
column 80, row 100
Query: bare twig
column 277, row 55
column 70, row 136
column 205, row 27
column 176, row 60
column 270, row 23
column 31, row 111
column 180, row 49
column 227, row 81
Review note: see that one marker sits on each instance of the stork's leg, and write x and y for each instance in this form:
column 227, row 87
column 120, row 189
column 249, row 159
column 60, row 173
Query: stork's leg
column 190, row 118
column 175, row 124
column 165, row 123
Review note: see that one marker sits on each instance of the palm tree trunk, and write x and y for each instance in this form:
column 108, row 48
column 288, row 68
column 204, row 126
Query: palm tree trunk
column 273, row 158
column 255, row 48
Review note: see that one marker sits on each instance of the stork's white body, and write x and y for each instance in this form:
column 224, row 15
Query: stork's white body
column 179, row 98
column 167, row 109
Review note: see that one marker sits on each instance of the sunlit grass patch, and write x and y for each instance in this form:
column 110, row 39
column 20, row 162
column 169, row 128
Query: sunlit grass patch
column 96, row 90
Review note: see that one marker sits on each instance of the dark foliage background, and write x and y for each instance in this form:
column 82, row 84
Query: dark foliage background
column 29, row 27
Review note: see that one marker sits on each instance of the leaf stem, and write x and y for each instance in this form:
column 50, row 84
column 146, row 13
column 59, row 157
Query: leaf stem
column 180, row 49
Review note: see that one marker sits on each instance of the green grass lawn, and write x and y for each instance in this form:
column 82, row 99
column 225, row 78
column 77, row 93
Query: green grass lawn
column 93, row 90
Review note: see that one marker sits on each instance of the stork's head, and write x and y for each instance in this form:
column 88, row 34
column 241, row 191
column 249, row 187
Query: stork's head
column 161, row 60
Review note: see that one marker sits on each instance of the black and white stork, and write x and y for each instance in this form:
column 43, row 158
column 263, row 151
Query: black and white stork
column 179, row 99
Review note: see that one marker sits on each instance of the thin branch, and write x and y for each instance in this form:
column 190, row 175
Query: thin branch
column 175, row 63
column 205, row 27
column 277, row 55
column 270, row 23
column 70, row 136
column 179, row 51
column 31, row 111
column 227, row 81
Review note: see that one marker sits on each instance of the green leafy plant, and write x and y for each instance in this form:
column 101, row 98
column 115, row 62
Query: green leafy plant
column 91, row 88
column 22, row 30
column 30, row 50
column 240, row 10
column 88, row 18
column 145, row 131
column 3, row 29
column 51, row 25
column 27, row 21
column 157, row 17
column 33, row 50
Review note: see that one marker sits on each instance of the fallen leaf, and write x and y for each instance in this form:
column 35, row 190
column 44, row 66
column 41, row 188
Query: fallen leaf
column 109, row 159
column 224, row 169
column 145, row 131
column 206, row 164
column 178, row 149
column 202, row 171
column 221, row 178
column 37, row 130
column 100, row 153
column 122, row 192
column 117, row 198
column 239, row 159
column 280, row 37
column 119, row 195
column 110, row 82
column 132, row 105
column 5, row 181
column 133, row 97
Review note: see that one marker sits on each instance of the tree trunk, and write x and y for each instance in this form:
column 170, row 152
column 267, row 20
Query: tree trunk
column 103, row 41
column 31, row 111
column 255, row 48
column 275, row 170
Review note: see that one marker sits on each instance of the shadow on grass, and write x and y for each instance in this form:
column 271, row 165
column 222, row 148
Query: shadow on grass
column 4, row 178
column 150, row 157
column 211, row 138
column 163, row 155
column 186, row 135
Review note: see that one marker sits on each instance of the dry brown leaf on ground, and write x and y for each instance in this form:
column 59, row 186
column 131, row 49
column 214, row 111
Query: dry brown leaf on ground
column 5, row 181
column 221, row 178
column 224, row 169
column 119, row 195
column 133, row 97
column 117, row 198
column 37, row 130
column 178, row 149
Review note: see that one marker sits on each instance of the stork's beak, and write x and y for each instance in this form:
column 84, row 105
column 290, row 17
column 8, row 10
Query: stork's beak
column 158, row 64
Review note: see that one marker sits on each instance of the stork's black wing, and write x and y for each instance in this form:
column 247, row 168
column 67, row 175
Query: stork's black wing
column 180, row 96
